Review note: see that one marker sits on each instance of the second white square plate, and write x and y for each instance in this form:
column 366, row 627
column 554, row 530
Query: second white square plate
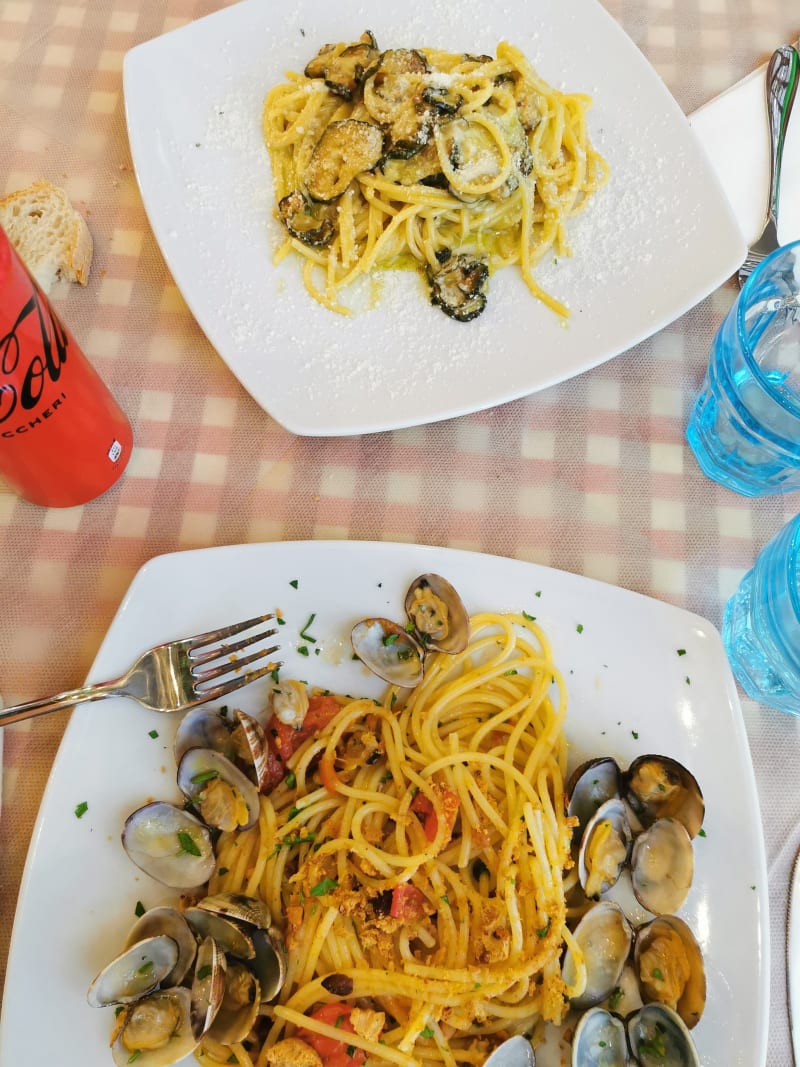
column 656, row 240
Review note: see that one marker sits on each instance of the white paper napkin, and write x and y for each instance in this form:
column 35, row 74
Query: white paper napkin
column 734, row 131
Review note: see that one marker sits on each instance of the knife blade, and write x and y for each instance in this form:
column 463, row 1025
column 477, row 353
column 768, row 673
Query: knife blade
column 793, row 960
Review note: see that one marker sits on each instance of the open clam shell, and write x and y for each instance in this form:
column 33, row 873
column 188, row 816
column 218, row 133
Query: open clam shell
column 229, row 935
column 605, row 847
column 170, row 845
column 662, row 866
column 659, row 787
column 590, row 785
column 599, row 1040
column 222, row 795
column 388, row 651
column 670, row 968
column 240, row 1005
column 169, row 921
column 658, row 1038
column 435, row 609
column 604, row 937
column 155, row 1031
column 137, row 971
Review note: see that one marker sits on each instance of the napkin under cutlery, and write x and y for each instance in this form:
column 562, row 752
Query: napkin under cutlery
column 733, row 130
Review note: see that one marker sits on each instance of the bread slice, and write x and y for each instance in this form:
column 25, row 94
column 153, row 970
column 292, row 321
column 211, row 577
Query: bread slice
column 51, row 237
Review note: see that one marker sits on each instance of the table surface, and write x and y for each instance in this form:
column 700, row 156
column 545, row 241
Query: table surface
column 618, row 495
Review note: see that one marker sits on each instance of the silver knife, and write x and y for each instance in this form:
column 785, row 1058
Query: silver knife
column 793, row 960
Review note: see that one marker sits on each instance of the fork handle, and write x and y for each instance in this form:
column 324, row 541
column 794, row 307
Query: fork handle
column 59, row 702
column 781, row 88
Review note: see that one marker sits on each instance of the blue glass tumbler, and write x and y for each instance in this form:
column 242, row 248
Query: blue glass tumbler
column 761, row 624
column 744, row 428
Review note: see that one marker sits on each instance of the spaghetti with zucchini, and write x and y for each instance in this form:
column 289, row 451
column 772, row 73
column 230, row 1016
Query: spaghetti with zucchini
column 454, row 165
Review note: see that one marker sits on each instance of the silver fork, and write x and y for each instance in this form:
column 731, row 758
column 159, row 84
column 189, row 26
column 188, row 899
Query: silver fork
column 781, row 87
column 170, row 677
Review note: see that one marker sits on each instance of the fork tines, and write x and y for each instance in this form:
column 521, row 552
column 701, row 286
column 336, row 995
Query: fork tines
column 230, row 662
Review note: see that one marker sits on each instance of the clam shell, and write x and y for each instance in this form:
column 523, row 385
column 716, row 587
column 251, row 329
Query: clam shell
column 662, row 866
column 388, row 651
column 659, row 787
column 154, row 839
column 168, row 921
column 180, row 1043
column 604, row 936
column 658, row 1028
column 440, row 620
column 137, row 971
column 689, row 998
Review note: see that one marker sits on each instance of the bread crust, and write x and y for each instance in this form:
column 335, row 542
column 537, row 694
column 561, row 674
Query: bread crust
column 51, row 237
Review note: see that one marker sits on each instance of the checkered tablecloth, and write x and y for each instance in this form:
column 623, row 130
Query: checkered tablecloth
column 590, row 476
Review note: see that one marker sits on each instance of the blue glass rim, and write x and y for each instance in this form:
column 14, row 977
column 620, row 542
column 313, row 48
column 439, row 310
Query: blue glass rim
column 786, row 401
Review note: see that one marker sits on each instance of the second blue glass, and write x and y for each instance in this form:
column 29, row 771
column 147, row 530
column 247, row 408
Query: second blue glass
column 745, row 426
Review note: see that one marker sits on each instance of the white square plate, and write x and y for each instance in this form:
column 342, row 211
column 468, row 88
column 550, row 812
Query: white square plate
column 655, row 241
column 630, row 692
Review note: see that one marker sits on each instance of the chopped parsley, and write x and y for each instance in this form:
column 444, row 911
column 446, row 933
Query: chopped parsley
column 579, row 627
column 654, row 1046
column 203, row 972
column 658, row 974
column 701, row 832
column 187, row 843
column 134, row 1056
column 390, row 639
column 139, row 910
column 530, row 618
column 307, row 636
column 427, row 1032
column 615, row 998
column 545, row 930
column 635, row 735
column 280, row 620
column 153, row 734
column 321, row 889
column 81, row 809
column 146, row 967
column 507, row 674
column 294, row 583
column 681, row 651
column 291, row 779
column 203, row 776
column 538, row 593
column 222, row 871
column 275, row 675
column 445, row 898
column 303, row 650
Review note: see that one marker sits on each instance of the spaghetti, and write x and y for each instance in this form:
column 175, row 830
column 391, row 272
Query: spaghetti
column 414, row 856
column 451, row 164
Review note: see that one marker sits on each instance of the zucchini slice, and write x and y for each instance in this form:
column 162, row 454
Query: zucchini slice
column 345, row 69
column 393, row 96
column 459, row 287
column 313, row 224
column 346, row 148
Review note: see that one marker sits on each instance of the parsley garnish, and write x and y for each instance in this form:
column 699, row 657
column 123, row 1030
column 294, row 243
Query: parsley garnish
column 530, row 618
column 307, row 636
column 506, row 674
column 187, row 843
column 634, row 735
column 280, row 620
column 81, row 809
column 321, row 889
column 303, row 650
column 153, row 734
column 291, row 779
column 294, row 583
column 274, row 675
column 203, row 972
column 146, row 967
column 615, row 998
column 390, row 639
column 681, row 651
column 701, row 832
column 222, row 871
column 139, row 910
column 203, row 776
column 134, row 1056
column 654, row 1046
column 579, row 627
column 427, row 1032
column 658, row 974
column 545, row 930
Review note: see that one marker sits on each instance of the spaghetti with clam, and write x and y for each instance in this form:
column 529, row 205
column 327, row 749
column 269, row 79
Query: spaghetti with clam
column 452, row 164
column 414, row 857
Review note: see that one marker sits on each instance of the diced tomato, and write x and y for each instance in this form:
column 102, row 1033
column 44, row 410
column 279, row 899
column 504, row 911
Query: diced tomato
column 321, row 709
column 284, row 740
column 332, row 1052
column 430, row 823
column 408, row 902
